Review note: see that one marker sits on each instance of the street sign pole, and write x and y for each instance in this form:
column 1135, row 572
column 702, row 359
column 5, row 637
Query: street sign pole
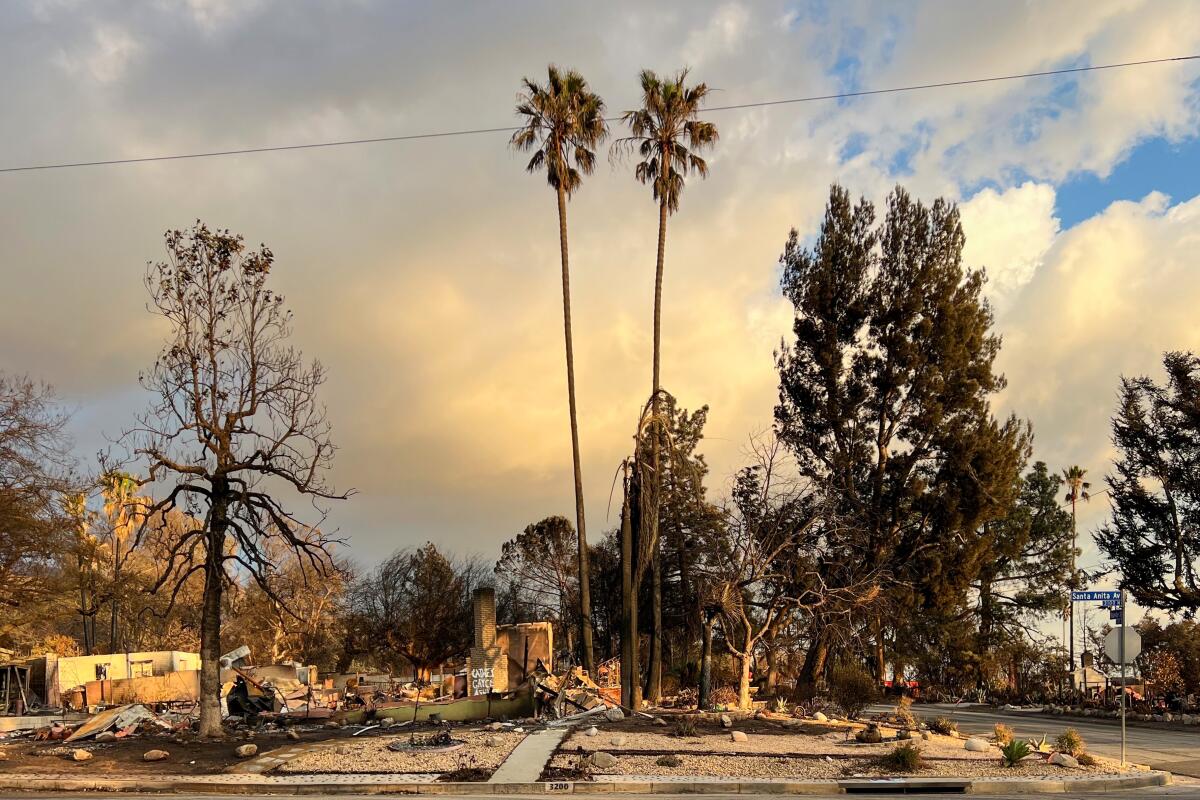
column 1124, row 614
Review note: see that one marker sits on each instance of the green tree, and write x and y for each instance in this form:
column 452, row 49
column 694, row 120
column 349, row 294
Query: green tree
column 667, row 135
column 563, row 123
column 884, row 400
column 1153, row 536
column 1028, row 564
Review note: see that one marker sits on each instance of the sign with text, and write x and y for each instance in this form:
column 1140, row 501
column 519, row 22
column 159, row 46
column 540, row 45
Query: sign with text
column 1106, row 597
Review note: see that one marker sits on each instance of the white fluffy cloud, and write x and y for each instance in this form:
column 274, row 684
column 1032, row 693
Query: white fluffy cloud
column 1009, row 233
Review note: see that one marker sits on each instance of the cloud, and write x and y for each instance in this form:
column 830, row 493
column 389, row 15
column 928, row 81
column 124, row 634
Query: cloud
column 425, row 274
column 1113, row 294
column 1009, row 234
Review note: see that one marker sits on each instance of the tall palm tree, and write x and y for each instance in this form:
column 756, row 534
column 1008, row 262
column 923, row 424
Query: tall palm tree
column 563, row 124
column 667, row 135
column 1077, row 489
column 118, row 489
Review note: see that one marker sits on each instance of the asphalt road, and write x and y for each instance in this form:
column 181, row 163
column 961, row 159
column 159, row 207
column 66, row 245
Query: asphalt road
column 1176, row 750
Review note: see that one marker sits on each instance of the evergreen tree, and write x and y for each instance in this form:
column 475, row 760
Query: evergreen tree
column 884, row 399
column 1153, row 538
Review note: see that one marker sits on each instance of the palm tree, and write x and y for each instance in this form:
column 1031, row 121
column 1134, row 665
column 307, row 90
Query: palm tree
column 1077, row 489
column 118, row 489
column 563, row 124
column 667, row 135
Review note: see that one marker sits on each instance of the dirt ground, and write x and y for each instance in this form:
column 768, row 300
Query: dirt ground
column 188, row 756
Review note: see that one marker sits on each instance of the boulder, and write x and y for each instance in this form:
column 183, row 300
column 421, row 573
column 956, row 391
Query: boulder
column 155, row 755
column 926, row 735
column 870, row 735
column 976, row 745
column 592, row 731
column 293, row 736
column 819, row 717
column 247, row 750
column 602, row 760
column 386, row 722
column 496, row 726
column 904, row 734
column 738, row 736
column 81, row 755
column 726, row 721
column 659, row 722
column 343, row 750
column 1064, row 760
column 105, row 737
column 614, row 714
column 492, row 741
column 332, row 723
column 617, row 741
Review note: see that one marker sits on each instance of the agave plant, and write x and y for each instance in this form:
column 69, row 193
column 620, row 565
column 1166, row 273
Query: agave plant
column 1014, row 751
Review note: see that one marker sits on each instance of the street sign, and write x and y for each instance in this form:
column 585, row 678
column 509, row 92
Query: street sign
column 1112, row 644
column 1107, row 597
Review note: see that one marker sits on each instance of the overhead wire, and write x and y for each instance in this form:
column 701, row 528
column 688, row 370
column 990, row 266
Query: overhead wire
column 511, row 128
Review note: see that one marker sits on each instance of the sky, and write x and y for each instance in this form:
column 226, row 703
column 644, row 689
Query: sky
column 425, row 274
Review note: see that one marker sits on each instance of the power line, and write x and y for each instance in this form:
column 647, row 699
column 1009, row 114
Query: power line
column 510, row 129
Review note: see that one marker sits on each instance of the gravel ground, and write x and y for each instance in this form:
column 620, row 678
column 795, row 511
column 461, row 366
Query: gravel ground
column 944, row 756
column 372, row 755
column 725, row 766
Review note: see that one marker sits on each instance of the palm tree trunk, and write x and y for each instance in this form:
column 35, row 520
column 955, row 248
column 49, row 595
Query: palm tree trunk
column 654, row 668
column 629, row 633
column 585, row 590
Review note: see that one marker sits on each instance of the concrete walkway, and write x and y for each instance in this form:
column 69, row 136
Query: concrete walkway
column 527, row 760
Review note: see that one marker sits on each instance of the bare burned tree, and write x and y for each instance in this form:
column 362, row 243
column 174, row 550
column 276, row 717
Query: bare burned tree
column 773, row 560
column 234, row 424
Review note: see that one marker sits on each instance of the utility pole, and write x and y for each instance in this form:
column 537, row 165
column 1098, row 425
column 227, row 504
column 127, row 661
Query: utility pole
column 1123, row 677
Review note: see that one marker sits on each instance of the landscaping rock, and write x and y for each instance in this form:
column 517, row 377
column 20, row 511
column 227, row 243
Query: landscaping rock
column 660, row 722
column 106, row 737
column 1064, row 760
column 614, row 714
column 246, row 750
column 496, row 726
column 386, row 723
column 602, row 760
column 332, row 723
column 155, row 755
column 926, row 735
column 738, row 736
column 976, row 745
column 617, row 741
column 493, row 741
column 343, row 750
column 726, row 721
column 293, row 736
column 870, row 735
column 592, row 731
column 819, row 717
column 81, row 755
column 904, row 734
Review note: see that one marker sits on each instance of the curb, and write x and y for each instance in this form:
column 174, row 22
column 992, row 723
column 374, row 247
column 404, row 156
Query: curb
column 10, row 781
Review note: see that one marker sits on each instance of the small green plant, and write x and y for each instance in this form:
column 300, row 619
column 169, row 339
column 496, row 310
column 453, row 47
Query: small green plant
column 943, row 725
column 684, row 726
column 1070, row 742
column 1002, row 733
column 1040, row 745
column 1013, row 751
column 852, row 688
column 903, row 758
column 780, row 706
column 669, row 760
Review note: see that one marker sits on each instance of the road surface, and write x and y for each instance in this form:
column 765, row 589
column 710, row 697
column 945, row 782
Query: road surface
column 1173, row 749
column 1176, row 792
